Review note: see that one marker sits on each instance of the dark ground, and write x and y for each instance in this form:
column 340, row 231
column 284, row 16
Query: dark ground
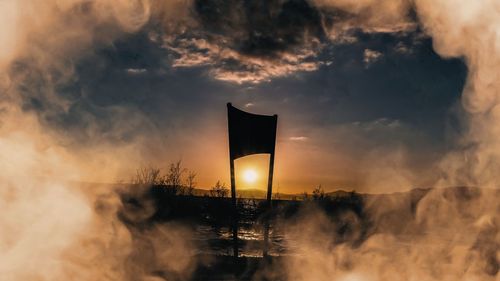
column 356, row 217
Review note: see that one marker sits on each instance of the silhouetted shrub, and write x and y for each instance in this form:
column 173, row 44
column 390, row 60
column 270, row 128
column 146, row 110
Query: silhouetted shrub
column 219, row 190
column 173, row 181
column 318, row 193
column 148, row 176
column 190, row 184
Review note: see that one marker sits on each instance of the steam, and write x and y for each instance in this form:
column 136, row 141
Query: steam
column 450, row 235
column 468, row 31
column 57, row 229
column 471, row 32
column 40, row 218
column 53, row 229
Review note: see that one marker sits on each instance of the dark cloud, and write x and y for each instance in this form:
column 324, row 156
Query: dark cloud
column 255, row 41
column 262, row 28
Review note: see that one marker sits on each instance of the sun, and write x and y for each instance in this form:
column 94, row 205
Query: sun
column 250, row 175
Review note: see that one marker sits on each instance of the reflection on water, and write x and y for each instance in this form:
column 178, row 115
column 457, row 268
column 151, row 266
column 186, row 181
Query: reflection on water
column 217, row 239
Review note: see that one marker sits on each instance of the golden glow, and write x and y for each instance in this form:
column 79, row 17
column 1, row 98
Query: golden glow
column 250, row 175
column 252, row 171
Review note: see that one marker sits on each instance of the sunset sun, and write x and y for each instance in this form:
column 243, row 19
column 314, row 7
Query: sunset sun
column 250, row 175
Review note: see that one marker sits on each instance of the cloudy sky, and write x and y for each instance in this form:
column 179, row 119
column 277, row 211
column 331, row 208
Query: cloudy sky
column 364, row 100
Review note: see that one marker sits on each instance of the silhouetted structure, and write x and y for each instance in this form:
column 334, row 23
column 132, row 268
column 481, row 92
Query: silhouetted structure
column 250, row 134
